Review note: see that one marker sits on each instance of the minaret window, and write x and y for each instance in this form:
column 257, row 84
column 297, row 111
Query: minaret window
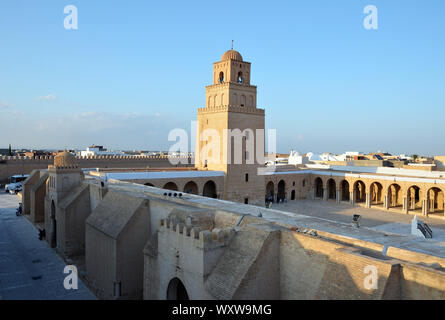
column 221, row 77
column 240, row 77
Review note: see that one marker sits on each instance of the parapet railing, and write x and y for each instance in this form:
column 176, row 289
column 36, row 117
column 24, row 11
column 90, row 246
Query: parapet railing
column 195, row 235
column 108, row 157
column 232, row 108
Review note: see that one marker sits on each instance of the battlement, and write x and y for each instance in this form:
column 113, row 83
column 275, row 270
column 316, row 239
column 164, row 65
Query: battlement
column 196, row 236
column 231, row 108
column 109, row 157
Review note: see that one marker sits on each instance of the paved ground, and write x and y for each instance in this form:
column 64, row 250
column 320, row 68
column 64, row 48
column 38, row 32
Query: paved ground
column 375, row 219
column 29, row 268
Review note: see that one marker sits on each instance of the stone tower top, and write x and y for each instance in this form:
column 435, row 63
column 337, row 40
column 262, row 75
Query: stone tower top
column 231, row 55
column 65, row 159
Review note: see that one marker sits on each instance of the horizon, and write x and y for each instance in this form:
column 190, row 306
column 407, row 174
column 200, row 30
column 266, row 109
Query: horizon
column 133, row 72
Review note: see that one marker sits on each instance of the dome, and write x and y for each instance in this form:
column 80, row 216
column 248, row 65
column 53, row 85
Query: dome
column 231, row 55
column 64, row 159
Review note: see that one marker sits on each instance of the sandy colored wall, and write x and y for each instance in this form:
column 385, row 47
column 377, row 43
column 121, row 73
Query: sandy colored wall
column 100, row 260
column 130, row 264
column 9, row 167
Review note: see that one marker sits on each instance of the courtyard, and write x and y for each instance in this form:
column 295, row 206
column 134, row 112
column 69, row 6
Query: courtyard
column 386, row 221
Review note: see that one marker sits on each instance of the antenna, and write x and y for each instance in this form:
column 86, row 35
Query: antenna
column 232, row 44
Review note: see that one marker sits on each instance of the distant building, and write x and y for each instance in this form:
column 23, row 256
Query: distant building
column 98, row 151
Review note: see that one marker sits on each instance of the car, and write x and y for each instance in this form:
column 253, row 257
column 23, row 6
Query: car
column 15, row 184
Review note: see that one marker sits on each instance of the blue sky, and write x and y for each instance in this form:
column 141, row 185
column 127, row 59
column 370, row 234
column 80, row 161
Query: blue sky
column 134, row 70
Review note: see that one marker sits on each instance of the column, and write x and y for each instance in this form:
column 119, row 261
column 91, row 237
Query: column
column 425, row 206
column 352, row 197
column 385, row 202
column 338, row 196
column 431, row 206
column 325, row 194
column 368, row 200
column 313, row 193
column 405, row 204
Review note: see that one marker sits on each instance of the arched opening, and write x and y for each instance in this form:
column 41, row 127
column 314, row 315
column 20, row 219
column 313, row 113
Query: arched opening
column 436, row 201
column 148, row 185
column 209, row 189
column 171, row 186
column 414, row 198
column 191, row 187
column 318, row 188
column 304, row 183
column 376, row 194
column 243, row 100
column 332, row 189
column 344, row 190
column 360, row 191
column 176, row 290
column 281, row 190
column 53, row 225
column 394, row 196
column 292, row 195
column 221, row 77
column 270, row 194
column 240, row 77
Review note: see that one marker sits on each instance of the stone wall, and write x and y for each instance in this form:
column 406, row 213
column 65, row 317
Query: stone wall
column 10, row 166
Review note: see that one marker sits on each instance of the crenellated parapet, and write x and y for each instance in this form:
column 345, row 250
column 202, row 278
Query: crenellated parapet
column 107, row 157
column 231, row 108
column 196, row 236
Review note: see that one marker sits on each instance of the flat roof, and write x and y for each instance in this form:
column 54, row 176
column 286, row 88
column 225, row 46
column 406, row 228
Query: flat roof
column 159, row 175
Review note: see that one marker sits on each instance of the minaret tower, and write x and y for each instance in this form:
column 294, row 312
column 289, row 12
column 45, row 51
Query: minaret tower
column 231, row 128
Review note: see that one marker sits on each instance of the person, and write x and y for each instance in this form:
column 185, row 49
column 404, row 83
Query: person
column 19, row 210
column 42, row 234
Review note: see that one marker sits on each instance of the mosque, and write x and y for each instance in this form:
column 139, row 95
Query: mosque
column 205, row 233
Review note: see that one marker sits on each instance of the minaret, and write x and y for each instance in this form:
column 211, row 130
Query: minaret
column 231, row 114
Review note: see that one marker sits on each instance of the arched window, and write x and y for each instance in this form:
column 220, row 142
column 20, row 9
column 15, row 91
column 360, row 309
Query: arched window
column 240, row 77
column 243, row 100
column 221, row 77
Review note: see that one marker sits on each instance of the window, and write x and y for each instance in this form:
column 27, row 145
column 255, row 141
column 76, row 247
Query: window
column 304, row 183
column 293, row 183
column 246, row 155
column 247, row 177
column 221, row 77
column 240, row 77
column 246, row 200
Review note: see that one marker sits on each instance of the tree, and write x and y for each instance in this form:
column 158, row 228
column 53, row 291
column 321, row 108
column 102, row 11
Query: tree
column 9, row 150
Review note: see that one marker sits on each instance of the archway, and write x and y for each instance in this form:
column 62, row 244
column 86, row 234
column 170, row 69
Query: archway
column 191, row 187
column 360, row 191
column 395, row 196
column 318, row 188
column 148, row 185
column 344, row 190
column 332, row 189
column 292, row 195
column 414, row 198
column 270, row 194
column 176, row 290
column 376, row 193
column 53, row 225
column 209, row 189
column 171, row 186
column 436, row 201
column 281, row 190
